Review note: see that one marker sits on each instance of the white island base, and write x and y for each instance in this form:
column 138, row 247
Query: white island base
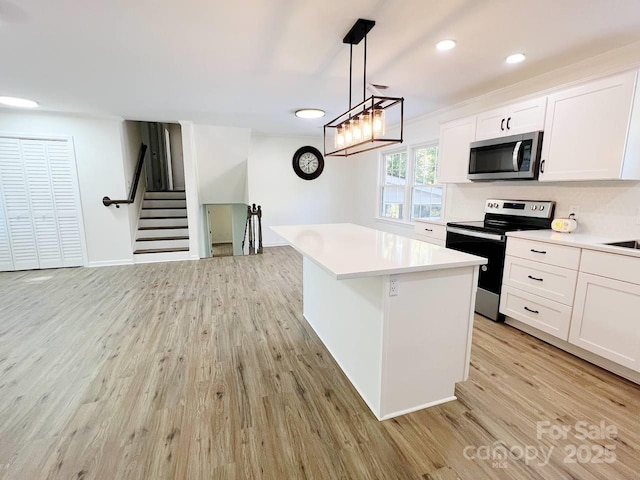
column 402, row 353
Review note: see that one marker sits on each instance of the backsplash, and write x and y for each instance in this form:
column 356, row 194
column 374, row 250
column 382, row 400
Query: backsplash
column 606, row 207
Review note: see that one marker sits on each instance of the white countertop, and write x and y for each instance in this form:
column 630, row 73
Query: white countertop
column 579, row 240
column 346, row 250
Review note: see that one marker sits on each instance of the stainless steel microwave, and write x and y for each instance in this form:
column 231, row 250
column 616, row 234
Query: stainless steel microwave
column 506, row 158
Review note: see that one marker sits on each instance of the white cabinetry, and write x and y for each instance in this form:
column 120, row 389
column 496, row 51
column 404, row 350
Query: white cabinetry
column 605, row 319
column 512, row 119
column 431, row 232
column 590, row 134
column 453, row 157
column 538, row 285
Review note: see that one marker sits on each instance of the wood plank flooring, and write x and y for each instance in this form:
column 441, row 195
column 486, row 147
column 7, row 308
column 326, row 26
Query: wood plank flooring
column 207, row 370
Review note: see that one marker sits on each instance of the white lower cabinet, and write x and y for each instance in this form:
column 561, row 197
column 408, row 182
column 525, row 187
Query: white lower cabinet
column 538, row 284
column 606, row 319
column 435, row 233
column 541, row 313
column 594, row 306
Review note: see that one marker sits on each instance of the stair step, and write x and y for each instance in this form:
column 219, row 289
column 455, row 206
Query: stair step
column 161, row 250
column 163, row 212
column 165, row 195
column 143, row 244
column 162, row 232
column 164, row 203
column 164, row 227
column 163, row 222
column 156, row 239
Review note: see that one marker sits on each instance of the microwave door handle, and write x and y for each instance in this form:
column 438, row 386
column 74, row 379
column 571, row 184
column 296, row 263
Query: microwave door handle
column 516, row 157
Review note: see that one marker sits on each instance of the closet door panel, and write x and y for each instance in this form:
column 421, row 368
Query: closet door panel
column 36, row 166
column 66, row 202
column 15, row 197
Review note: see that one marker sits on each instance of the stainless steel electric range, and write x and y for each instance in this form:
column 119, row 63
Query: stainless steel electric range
column 487, row 239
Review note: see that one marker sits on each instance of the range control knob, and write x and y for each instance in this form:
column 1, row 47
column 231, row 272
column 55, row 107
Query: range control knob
column 534, row 207
column 541, row 207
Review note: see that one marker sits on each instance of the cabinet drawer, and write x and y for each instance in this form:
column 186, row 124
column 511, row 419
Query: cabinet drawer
column 549, row 253
column 545, row 315
column 548, row 281
column 430, row 230
column 619, row 267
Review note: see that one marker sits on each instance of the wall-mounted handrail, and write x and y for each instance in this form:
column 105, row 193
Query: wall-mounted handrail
column 134, row 186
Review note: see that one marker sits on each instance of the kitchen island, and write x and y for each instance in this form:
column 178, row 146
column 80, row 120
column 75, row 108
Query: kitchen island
column 395, row 313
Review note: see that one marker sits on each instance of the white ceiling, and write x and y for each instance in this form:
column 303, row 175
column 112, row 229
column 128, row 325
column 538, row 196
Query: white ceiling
column 251, row 63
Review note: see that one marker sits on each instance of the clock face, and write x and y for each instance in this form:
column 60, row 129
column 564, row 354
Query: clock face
column 308, row 163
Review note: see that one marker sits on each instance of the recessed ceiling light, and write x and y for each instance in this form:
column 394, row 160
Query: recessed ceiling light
column 516, row 58
column 18, row 102
column 446, row 45
column 310, row 113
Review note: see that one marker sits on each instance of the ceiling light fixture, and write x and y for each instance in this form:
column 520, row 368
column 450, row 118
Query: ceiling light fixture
column 516, row 58
column 362, row 127
column 445, row 45
column 310, row 113
column 18, row 102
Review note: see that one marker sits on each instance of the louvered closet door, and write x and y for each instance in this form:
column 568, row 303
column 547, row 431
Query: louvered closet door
column 15, row 197
column 65, row 202
column 6, row 259
column 36, row 167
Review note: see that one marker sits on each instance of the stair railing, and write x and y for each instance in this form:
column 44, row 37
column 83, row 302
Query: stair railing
column 106, row 201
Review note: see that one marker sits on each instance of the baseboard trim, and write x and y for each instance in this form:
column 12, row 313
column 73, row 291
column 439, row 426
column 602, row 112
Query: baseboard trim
column 110, row 263
column 275, row 244
column 419, row 407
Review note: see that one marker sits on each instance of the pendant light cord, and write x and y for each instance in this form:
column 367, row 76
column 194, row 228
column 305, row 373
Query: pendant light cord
column 364, row 83
column 350, row 72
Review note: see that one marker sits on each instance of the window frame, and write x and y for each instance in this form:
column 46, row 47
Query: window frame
column 409, row 185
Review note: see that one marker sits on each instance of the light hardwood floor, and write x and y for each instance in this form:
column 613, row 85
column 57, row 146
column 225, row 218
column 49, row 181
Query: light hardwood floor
column 207, row 370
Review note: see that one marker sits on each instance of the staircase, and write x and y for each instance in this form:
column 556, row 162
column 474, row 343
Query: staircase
column 163, row 234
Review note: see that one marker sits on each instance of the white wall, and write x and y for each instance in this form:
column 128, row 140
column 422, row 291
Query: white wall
column 286, row 199
column 609, row 207
column 177, row 160
column 221, row 157
column 100, row 165
column 131, row 140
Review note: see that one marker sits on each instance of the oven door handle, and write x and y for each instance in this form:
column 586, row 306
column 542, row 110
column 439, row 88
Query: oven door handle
column 516, row 157
column 473, row 233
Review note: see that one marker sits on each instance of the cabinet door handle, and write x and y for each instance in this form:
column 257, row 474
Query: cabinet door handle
column 502, row 125
column 542, row 166
column 532, row 311
column 429, row 229
column 538, row 251
column 536, row 279
column 508, row 121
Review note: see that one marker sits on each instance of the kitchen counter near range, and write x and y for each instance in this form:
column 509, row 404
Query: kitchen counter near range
column 580, row 240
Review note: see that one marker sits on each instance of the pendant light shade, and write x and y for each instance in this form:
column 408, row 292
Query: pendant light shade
column 363, row 127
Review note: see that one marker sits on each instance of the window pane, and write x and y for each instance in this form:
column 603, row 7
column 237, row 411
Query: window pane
column 392, row 202
column 395, row 168
column 426, row 202
column 426, row 165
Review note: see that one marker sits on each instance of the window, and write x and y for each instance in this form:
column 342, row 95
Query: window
column 411, row 183
column 426, row 194
column 394, row 185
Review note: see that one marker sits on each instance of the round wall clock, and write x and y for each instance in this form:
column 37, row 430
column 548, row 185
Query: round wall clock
column 308, row 163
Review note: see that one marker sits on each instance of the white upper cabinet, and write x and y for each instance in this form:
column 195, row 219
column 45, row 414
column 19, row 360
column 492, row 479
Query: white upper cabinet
column 590, row 133
column 512, row 119
column 453, row 157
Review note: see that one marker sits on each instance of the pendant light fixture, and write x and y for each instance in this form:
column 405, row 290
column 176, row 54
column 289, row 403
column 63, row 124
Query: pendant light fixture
column 363, row 126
